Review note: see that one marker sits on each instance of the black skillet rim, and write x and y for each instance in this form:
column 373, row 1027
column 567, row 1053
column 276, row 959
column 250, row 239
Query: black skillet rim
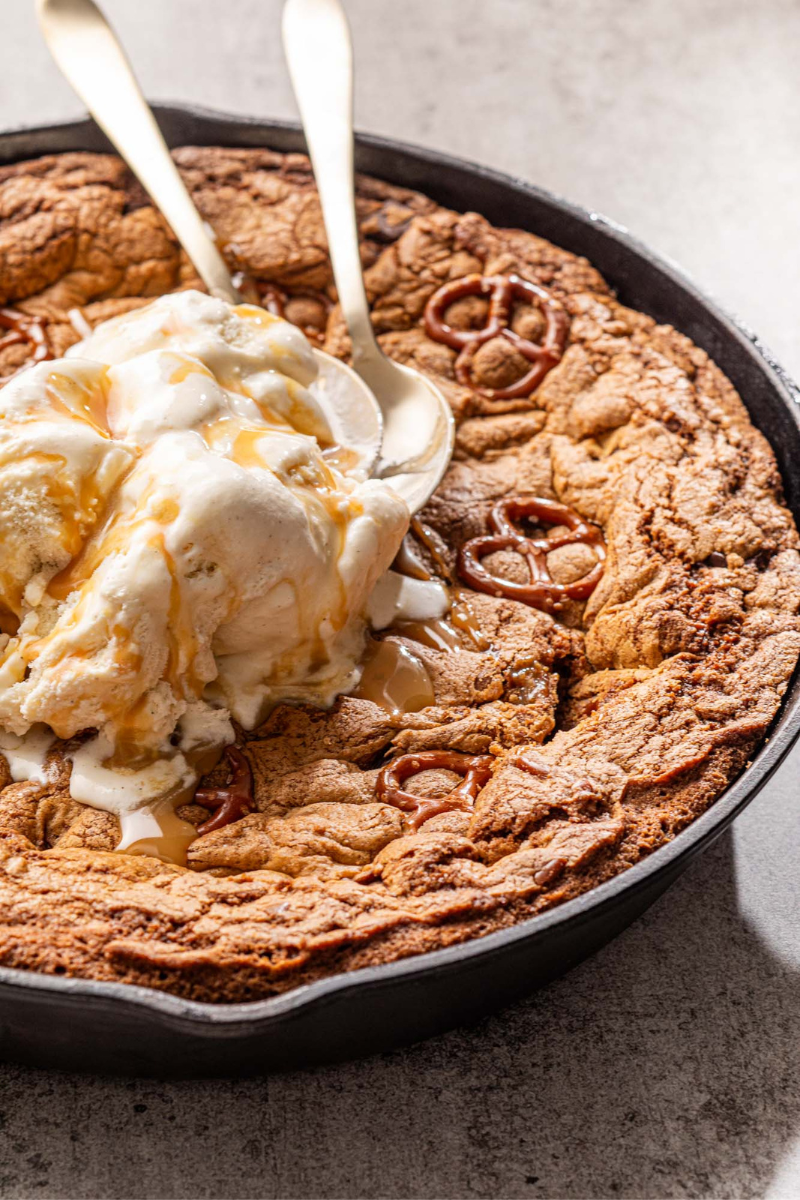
column 227, row 1019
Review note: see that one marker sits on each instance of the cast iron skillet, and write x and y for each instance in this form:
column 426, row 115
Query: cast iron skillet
column 78, row 1024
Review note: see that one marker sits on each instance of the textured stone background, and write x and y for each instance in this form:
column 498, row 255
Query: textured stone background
column 669, row 1065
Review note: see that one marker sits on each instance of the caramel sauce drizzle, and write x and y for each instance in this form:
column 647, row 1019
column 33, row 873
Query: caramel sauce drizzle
column 503, row 291
column 170, row 839
column 430, row 540
column 407, row 563
column 156, row 829
column 442, row 633
column 461, row 615
column 527, row 681
column 232, row 801
column 475, row 770
column 394, row 679
column 542, row 591
column 342, row 458
column 23, row 328
column 438, row 634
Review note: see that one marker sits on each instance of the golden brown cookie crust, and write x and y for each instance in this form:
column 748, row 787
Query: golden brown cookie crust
column 611, row 726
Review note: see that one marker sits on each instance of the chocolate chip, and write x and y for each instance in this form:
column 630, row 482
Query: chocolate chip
column 760, row 560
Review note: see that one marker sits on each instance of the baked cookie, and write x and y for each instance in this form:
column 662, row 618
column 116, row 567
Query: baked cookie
column 624, row 574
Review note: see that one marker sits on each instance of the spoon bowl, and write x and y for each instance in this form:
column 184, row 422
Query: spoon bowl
column 353, row 415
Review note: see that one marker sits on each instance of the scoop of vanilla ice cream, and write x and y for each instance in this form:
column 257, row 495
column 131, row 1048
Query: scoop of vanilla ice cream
column 58, row 468
column 203, row 554
column 265, row 364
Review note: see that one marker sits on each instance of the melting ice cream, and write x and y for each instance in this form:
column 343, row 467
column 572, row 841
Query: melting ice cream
column 178, row 545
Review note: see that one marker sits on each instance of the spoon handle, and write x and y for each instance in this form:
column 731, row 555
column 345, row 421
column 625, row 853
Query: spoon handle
column 89, row 55
column 316, row 41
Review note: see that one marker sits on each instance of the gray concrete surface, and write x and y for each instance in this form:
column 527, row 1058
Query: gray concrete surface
column 669, row 1066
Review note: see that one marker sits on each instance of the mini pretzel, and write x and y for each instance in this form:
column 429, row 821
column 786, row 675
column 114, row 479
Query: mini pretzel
column 502, row 291
column 475, row 769
column 541, row 591
column 22, row 328
column 275, row 300
column 386, row 231
column 232, row 801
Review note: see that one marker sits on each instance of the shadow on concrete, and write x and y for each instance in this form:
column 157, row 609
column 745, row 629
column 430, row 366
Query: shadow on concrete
column 667, row 1066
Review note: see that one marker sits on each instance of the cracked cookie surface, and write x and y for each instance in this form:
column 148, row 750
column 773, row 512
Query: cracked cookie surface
column 611, row 725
